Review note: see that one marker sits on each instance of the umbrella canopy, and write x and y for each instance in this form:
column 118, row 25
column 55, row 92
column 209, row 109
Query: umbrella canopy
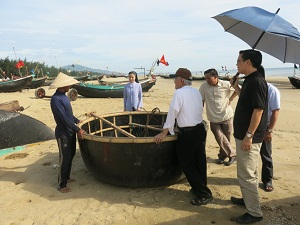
column 263, row 31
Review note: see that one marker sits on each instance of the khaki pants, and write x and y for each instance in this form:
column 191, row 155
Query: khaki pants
column 222, row 132
column 247, row 174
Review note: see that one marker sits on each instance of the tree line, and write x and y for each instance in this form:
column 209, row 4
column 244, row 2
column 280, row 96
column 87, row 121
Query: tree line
column 8, row 67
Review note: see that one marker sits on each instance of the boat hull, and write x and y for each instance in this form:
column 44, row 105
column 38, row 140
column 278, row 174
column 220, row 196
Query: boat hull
column 100, row 92
column 17, row 129
column 37, row 82
column 295, row 81
column 129, row 162
column 15, row 85
column 146, row 84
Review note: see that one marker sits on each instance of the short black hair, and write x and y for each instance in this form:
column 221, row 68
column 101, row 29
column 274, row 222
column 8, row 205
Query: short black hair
column 254, row 56
column 212, row 72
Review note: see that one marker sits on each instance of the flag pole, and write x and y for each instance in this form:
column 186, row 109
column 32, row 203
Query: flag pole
column 17, row 61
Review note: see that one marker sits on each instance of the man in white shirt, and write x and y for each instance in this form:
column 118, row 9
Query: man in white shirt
column 216, row 96
column 186, row 108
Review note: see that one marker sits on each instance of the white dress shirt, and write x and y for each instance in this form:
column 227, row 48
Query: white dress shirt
column 186, row 107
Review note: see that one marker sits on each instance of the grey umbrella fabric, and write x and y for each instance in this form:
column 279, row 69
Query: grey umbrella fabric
column 263, row 31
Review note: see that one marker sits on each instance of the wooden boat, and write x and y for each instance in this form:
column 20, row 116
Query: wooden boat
column 17, row 129
column 99, row 91
column 82, row 78
column 37, row 82
column 198, row 77
column 107, row 91
column 295, row 81
column 15, row 85
column 169, row 76
column 118, row 149
column 146, row 83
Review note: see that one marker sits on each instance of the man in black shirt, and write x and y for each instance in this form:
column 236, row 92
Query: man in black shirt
column 250, row 124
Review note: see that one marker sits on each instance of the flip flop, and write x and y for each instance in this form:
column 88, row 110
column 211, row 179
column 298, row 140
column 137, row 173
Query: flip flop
column 268, row 186
column 64, row 189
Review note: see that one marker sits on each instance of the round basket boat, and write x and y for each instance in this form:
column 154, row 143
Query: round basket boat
column 118, row 149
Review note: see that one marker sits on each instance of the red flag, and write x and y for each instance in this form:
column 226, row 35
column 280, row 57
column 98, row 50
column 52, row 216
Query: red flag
column 20, row 64
column 163, row 61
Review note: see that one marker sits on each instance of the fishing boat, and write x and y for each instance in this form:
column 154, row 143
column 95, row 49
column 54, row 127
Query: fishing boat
column 17, row 129
column 99, row 91
column 82, row 78
column 14, row 85
column 37, row 82
column 295, row 81
column 146, row 83
column 119, row 149
column 198, row 77
column 168, row 76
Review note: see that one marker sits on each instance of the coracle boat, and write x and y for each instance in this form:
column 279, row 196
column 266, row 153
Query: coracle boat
column 15, row 84
column 17, row 129
column 119, row 149
column 295, row 81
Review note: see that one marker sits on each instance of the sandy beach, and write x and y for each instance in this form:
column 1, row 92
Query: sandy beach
column 28, row 193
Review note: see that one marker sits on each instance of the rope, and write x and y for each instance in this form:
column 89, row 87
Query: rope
column 155, row 110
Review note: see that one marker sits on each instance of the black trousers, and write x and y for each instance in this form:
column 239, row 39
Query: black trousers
column 192, row 158
column 67, row 150
column 267, row 162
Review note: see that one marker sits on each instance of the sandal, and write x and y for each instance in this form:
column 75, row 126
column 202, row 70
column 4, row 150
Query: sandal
column 268, row 186
column 64, row 189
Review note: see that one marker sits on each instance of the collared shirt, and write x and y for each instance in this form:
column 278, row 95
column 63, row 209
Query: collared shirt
column 186, row 107
column 253, row 95
column 217, row 101
column 63, row 115
column 273, row 100
column 132, row 96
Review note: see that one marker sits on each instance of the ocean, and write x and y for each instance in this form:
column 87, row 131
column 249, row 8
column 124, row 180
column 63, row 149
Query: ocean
column 283, row 71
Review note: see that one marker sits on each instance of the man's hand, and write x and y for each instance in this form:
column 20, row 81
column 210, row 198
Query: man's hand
column 268, row 137
column 80, row 134
column 159, row 138
column 246, row 144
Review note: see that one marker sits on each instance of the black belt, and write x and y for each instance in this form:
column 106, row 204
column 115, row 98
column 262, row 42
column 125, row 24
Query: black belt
column 184, row 129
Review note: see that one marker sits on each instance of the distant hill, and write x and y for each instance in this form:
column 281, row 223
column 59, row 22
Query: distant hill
column 76, row 67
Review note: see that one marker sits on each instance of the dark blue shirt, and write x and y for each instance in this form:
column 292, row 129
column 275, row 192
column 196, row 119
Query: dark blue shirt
column 63, row 115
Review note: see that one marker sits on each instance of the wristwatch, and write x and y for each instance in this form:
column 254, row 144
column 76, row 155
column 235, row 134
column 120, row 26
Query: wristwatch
column 270, row 130
column 249, row 135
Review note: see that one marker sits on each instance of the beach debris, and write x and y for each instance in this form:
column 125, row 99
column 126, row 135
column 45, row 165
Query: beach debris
column 55, row 166
column 12, row 106
column 17, row 156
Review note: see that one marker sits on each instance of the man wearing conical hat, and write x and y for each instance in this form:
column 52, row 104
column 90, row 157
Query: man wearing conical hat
column 66, row 128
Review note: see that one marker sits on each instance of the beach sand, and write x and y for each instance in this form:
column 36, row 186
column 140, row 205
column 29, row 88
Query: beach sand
column 28, row 193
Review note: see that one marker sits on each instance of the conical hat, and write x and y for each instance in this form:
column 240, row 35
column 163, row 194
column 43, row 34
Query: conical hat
column 63, row 80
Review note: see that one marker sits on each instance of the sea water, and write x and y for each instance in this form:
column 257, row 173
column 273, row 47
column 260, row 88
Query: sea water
column 283, row 71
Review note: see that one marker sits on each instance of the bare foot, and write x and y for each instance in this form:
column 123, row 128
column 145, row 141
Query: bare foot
column 65, row 190
column 71, row 180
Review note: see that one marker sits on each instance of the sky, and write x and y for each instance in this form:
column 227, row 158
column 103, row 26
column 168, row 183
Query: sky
column 120, row 35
